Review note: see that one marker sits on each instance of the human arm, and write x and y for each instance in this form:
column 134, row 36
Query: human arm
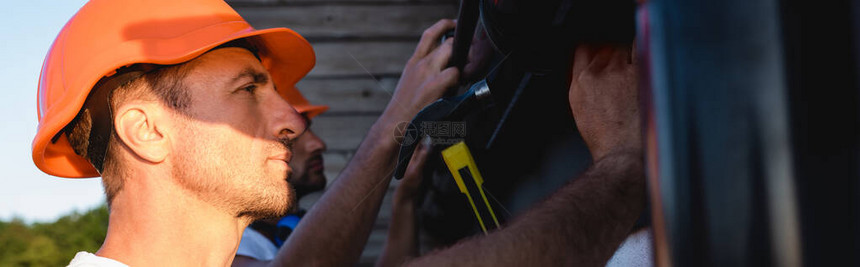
column 335, row 230
column 584, row 221
column 245, row 261
column 402, row 241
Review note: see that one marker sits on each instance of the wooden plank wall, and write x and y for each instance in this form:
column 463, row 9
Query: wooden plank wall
column 361, row 48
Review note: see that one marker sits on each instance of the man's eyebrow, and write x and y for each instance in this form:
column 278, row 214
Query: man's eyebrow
column 249, row 72
column 307, row 120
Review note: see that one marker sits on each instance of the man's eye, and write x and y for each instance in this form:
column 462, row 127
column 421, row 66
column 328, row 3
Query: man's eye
column 250, row 88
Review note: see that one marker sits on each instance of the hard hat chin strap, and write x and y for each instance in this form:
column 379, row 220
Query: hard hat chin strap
column 99, row 111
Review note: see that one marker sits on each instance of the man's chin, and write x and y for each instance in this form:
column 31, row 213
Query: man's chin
column 304, row 189
column 272, row 206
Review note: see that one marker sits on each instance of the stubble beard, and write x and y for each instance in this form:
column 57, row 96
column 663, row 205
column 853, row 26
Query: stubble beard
column 241, row 195
column 310, row 183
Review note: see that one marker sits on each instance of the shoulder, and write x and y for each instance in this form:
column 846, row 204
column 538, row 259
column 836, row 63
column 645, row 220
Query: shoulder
column 637, row 250
column 257, row 246
column 86, row 259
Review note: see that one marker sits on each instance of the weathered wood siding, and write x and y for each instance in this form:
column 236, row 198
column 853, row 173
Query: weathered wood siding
column 361, row 48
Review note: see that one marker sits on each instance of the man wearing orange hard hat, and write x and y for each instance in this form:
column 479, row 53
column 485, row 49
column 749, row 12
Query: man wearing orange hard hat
column 190, row 117
column 189, row 114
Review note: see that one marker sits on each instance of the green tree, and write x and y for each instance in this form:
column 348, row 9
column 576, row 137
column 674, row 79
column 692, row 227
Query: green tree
column 53, row 243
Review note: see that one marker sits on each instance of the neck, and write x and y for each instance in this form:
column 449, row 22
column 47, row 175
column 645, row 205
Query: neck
column 155, row 222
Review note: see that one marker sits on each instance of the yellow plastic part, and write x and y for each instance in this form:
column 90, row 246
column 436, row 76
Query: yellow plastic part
column 457, row 157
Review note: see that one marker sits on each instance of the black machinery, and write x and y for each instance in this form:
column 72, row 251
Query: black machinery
column 512, row 116
column 752, row 158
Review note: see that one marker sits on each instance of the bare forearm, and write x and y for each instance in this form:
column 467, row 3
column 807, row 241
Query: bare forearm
column 580, row 225
column 402, row 243
column 335, row 230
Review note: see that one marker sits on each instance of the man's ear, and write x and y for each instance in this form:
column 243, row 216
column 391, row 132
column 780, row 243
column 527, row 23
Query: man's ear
column 137, row 125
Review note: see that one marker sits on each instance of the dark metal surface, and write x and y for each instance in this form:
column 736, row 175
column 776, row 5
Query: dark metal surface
column 715, row 68
column 467, row 19
column 822, row 66
column 757, row 156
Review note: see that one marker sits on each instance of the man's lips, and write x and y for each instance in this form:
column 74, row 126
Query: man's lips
column 315, row 164
column 285, row 157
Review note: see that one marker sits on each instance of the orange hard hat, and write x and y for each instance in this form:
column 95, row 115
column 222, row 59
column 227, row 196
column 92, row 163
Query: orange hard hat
column 106, row 35
column 302, row 106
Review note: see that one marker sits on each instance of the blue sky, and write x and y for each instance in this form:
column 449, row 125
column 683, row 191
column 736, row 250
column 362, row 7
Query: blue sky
column 28, row 28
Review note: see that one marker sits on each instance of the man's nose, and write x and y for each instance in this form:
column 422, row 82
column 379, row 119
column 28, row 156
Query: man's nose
column 314, row 142
column 285, row 121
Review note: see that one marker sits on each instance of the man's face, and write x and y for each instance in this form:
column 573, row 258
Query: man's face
column 231, row 149
column 307, row 163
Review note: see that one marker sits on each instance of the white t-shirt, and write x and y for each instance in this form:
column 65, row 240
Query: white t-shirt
column 256, row 245
column 86, row 259
column 637, row 250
